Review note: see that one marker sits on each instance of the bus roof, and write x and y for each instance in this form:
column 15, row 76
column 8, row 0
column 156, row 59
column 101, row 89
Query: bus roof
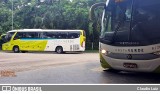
column 42, row 30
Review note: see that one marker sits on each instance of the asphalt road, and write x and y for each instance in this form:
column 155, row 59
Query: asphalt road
column 72, row 68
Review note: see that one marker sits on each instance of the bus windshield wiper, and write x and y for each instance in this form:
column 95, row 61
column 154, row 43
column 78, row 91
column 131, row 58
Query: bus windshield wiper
column 116, row 29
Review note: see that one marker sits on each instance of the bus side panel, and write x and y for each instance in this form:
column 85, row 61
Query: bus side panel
column 66, row 44
column 32, row 45
column 7, row 46
column 29, row 45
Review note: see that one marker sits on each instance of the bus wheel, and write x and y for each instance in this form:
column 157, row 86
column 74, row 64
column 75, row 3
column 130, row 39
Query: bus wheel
column 23, row 51
column 59, row 50
column 16, row 49
column 113, row 70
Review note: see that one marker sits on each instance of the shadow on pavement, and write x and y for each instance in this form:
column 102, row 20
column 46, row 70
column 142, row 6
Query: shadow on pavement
column 131, row 77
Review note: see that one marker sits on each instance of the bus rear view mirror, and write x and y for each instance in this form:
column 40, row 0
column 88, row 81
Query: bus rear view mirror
column 3, row 38
column 92, row 9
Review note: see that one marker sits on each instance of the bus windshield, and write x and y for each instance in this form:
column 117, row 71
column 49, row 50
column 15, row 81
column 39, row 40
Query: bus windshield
column 131, row 22
column 8, row 37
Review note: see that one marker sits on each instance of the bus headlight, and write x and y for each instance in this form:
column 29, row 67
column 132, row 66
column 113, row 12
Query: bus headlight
column 105, row 52
column 157, row 53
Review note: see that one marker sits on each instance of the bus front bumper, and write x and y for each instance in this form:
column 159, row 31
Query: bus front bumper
column 141, row 65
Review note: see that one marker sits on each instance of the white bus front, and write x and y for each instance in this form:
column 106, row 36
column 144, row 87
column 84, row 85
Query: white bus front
column 130, row 36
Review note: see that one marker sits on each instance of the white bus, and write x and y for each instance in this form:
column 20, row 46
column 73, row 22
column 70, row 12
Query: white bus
column 130, row 35
column 44, row 40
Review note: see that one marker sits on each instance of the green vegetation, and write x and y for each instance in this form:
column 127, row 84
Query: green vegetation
column 50, row 14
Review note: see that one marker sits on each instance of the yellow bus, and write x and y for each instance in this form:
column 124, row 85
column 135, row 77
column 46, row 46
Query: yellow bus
column 44, row 40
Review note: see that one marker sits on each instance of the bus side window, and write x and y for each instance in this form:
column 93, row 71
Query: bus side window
column 49, row 35
column 63, row 35
column 28, row 35
column 70, row 35
column 73, row 35
column 24, row 35
column 59, row 36
column 44, row 35
column 41, row 35
column 19, row 35
column 78, row 35
column 32, row 35
column 54, row 35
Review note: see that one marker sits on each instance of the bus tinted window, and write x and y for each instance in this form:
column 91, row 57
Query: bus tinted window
column 72, row 35
column 146, row 20
column 50, row 35
column 9, row 36
column 131, row 21
column 32, row 35
column 62, row 35
column 20, row 35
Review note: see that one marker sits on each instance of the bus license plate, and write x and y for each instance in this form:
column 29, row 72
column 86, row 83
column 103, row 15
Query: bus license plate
column 130, row 65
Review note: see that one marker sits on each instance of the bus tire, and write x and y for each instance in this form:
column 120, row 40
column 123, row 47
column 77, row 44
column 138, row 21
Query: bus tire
column 16, row 49
column 113, row 70
column 59, row 50
column 24, row 51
